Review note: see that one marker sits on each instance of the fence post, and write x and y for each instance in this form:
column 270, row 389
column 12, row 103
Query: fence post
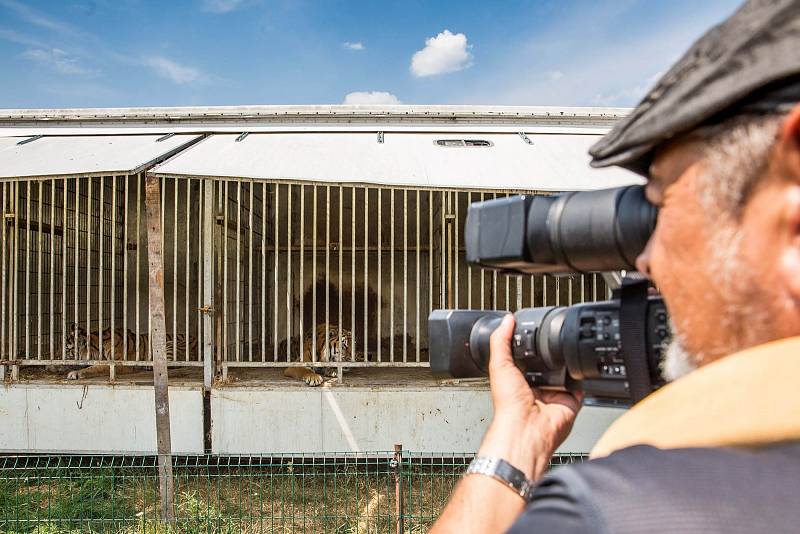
column 158, row 347
column 398, row 487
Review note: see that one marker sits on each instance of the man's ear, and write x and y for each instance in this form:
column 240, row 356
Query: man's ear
column 788, row 147
column 789, row 140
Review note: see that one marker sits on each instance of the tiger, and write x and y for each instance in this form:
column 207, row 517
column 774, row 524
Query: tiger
column 111, row 343
column 337, row 347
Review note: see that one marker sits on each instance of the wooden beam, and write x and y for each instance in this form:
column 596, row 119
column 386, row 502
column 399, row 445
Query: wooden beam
column 158, row 347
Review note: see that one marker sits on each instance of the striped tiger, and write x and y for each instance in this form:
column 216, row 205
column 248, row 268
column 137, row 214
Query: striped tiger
column 110, row 344
column 337, row 347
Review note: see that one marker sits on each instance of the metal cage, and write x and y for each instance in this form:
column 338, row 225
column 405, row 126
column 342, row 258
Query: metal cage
column 254, row 271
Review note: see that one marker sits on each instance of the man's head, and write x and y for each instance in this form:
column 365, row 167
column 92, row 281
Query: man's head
column 726, row 251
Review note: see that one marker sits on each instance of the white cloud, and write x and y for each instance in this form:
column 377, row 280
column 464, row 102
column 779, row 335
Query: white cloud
column 223, row 6
column 175, row 72
column 353, row 46
column 447, row 52
column 371, row 97
column 56, row 59
column 555, row 75
column 37, row 18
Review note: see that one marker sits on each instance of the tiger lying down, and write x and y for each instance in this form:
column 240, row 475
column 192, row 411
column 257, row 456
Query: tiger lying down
column 111, row 343
column 337, row 347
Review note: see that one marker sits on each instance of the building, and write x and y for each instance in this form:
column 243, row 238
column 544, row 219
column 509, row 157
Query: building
column 277, row 224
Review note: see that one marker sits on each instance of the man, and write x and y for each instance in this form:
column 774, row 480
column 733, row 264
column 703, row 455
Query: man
column 717, row 450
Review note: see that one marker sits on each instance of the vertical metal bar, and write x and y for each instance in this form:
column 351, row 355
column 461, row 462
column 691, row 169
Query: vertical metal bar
column 483, row 277
column 209, row 216
column 456, row 248
column 430, row 251
column 15, row 277
column 250, row 279
column 380, row 283
column 533, row 290
column 314, row 279
column 494, row 278
column 398, row 489
column 594, row 287
column 327, row 262
column 137, row 288
column 238, row 263
column 340, row 237
column 113, row 310
column 175, row 264
column 263, row 309
column 366, row 268
column 469, row 268
column 125, row 206
column 302, row 281
column 39, row 277
column 275, row 275
column 443, row 288
column 225, row 315
column 558, row 291
column 77, row 239
column 89, row 215
column 405, row 275
column 52, row 265
column 3, row 250
column 101, row 273
column 417, row 281
column 353, row 268
column 391, row 277
column 289, row 311
column 64, row 252
column 188, row 263
column 158, row 346
column 27, row 268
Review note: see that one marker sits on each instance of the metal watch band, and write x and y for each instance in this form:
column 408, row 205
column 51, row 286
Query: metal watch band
column 503, row 472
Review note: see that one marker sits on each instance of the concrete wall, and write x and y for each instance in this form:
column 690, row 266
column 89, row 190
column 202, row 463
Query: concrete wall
column 252, row 420
column 89, row 419
column 447, row 419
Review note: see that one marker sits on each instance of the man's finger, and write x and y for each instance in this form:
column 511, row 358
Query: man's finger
column 500, row 343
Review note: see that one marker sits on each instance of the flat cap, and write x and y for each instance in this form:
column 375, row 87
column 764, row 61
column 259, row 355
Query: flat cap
column 750, row 63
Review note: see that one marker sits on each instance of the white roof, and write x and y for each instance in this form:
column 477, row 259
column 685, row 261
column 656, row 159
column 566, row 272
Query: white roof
column 552, row 162
column 85, row 155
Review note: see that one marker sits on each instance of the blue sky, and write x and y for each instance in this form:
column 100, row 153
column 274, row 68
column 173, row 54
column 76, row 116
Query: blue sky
column 106, row 53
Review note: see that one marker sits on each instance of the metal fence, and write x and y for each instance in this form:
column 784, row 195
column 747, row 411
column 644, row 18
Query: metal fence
column 342, row 493
column 254, row 272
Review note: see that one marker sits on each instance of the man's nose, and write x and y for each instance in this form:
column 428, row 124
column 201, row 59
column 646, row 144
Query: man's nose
column 643, row 259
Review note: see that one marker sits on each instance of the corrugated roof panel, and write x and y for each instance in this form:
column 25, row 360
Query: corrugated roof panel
column 551, row 162
column 85, row 155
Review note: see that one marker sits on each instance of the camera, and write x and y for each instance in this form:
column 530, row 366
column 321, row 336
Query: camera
column 610, row 350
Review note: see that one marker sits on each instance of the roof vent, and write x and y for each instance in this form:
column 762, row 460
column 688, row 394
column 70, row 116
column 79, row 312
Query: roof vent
column 463, row 143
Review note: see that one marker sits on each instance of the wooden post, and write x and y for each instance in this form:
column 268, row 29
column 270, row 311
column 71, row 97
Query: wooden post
column 398, row 487
column 158, row 347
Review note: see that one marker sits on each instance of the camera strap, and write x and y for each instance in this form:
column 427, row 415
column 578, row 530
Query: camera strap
column 633, row 333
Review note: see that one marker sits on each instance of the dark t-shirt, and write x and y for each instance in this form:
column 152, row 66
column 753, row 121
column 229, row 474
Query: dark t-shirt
column 648, row 490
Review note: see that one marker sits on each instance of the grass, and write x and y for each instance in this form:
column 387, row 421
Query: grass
column 273, row 497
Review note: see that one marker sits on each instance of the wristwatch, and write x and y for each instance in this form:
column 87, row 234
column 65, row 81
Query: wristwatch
column 503, row 472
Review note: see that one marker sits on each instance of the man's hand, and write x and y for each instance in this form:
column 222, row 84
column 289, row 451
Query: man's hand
column 527, row 427
column 528, row 424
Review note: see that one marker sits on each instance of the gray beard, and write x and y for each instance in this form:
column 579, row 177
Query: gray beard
column 677, row 361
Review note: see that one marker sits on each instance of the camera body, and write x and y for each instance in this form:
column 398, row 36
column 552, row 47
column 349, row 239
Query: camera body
column 610, row 350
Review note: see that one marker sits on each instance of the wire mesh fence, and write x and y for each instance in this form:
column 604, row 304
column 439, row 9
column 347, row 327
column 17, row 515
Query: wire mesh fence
column 343, row 493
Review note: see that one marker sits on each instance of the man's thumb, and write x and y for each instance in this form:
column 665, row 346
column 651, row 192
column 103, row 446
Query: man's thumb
column 500, row 343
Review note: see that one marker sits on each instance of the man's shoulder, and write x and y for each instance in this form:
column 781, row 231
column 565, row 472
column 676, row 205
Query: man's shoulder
column 643, row 488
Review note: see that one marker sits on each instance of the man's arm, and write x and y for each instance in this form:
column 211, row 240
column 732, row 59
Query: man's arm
column 526, row 429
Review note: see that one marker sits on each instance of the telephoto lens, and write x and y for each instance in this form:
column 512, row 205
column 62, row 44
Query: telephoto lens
column 566, row 348
column 584, row 231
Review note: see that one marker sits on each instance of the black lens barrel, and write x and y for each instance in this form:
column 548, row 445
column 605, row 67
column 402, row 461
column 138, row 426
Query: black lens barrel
column 587, row 231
